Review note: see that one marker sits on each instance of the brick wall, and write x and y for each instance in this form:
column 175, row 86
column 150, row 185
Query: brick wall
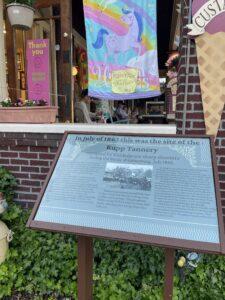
column 220, row 150
column 194, row 119
column 28, row 156
column 194, row 116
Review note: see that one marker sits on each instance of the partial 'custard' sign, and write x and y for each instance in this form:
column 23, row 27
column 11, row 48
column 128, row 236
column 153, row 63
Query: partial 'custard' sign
column 205, row 15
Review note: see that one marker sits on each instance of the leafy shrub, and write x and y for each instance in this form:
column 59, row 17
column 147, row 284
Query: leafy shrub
column 43, row 265
column 38, row 263
column 7, row 183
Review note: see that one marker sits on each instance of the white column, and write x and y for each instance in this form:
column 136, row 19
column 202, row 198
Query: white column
column 3, row 82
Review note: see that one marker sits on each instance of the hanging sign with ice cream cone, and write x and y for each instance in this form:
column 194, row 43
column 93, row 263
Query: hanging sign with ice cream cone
column 206, row 12
column 210, row 44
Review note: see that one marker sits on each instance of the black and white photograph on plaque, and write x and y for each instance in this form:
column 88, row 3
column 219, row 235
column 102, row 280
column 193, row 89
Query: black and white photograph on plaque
column 127, row 176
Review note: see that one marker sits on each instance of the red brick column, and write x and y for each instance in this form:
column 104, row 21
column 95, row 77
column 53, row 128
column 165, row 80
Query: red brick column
column 192, row 118
column 29, row 157
column 220, row 150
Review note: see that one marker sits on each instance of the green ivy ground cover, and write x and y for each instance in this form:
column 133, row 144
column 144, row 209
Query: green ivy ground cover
column 44, row 266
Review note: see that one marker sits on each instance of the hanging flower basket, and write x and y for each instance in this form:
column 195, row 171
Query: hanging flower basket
column 21, row 15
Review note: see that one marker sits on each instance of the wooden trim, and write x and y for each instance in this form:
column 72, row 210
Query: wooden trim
column 66, row 79
column 12, row 71
column 174, row 23
column 158, row 241
column 47, row 18
column 46, row 3
column 79, row 40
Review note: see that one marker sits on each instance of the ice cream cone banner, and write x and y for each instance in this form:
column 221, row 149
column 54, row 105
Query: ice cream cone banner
column 210, row 45
column 211, row 62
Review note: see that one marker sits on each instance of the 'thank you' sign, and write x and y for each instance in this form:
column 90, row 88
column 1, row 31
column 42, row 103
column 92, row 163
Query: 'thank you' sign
column 147, row 189
column 38, row 70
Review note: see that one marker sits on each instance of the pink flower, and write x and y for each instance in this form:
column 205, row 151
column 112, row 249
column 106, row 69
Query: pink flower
column 171, row 74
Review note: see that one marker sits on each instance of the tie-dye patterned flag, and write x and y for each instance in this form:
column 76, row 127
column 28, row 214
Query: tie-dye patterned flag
column 122, row 49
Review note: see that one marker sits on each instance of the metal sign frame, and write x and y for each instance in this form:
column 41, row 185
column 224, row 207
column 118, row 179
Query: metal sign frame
column 134, row 237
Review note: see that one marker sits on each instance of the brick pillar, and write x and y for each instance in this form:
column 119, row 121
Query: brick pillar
column 194, row 117
column 220, row 150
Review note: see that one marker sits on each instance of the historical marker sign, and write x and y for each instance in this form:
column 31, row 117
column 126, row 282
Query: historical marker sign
column 159, row 190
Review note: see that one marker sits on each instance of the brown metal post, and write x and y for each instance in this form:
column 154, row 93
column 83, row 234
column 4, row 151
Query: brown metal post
column 169, row 272
column 85, row 268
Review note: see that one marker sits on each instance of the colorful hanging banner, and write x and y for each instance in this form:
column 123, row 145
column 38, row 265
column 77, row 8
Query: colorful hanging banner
column 38, row 70
column 122, row 43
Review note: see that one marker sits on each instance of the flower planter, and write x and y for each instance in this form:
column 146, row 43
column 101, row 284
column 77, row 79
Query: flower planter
column 21, row 16
column 32, row 115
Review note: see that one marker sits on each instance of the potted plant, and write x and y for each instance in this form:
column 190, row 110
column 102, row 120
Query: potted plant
column 28, row 111
column 20, row 13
